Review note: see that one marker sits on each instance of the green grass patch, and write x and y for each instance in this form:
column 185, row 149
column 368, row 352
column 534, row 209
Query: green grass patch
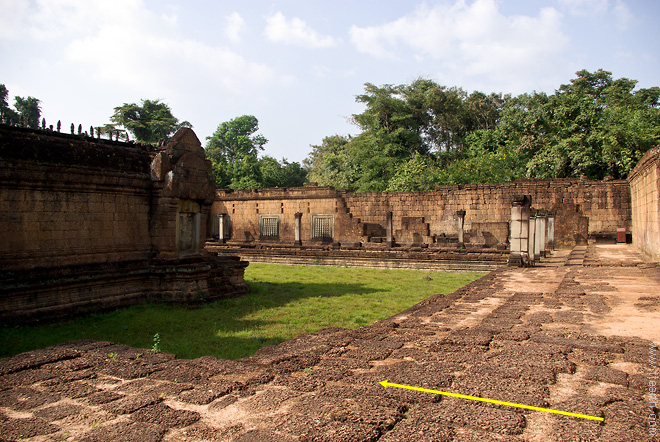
column 284, row 301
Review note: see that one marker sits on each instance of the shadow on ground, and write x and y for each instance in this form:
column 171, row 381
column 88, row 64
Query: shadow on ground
column 225, row 329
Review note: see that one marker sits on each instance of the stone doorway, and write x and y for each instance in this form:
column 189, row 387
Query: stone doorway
column 188, row 227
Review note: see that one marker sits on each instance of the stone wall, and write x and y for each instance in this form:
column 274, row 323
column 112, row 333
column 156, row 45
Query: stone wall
column 91, row 223
column 582, row 208
column 645, row 198
column 247, row 209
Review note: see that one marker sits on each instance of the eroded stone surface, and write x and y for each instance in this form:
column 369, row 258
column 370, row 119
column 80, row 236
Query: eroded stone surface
column 539, row 336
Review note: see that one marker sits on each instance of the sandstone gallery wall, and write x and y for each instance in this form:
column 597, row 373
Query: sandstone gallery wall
column 582, row 208
column 67, row 201
column 645, row 197
column 91, row 224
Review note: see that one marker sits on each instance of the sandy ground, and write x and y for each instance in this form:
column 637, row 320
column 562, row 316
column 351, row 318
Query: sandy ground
column 571, row 334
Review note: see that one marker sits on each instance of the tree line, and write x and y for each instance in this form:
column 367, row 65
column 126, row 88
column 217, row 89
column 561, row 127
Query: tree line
column 420, row 135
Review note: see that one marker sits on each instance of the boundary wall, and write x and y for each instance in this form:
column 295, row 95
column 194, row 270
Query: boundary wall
column 645, row 195
column 582, row 209
column 89, row 224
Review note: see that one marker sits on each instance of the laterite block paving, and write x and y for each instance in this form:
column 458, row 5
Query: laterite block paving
column 569, row 337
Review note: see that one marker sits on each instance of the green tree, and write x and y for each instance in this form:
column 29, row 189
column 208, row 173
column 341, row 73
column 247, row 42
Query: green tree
column 29, row 109
column 416, row 136
column 7, row 114
column 418, row 173
column 284, row 174
column 330, row 164
column 235, row 139
column 246, row 173
column 403, row 127
column 234, row 149
column 4, row 93
column 149, row 122
column 596, row 126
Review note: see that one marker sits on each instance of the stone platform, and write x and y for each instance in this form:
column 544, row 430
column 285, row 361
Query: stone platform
column 573, row 335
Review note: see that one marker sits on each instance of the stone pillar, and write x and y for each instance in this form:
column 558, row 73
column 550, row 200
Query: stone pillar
column 297, row 237
column 221, row 228
column 551, row 231
column 532, row 238
column 544, row 229
column 389, row 230
column 539, row 248
column 460, row 214
column 519, row 231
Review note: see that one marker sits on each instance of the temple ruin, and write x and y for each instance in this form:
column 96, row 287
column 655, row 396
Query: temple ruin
column 92, row 224
column 451, row 227
column 569, row 325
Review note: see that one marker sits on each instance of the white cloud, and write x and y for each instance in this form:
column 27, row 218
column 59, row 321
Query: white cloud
column 585, row 7
column 44, row 20
column 234, row 25
column 123, row 45
column 171, row 19
column 470, row 40
column 622, row 15
column 12, row 18
column 295, row 32
column 159, row 63
column 320, row 71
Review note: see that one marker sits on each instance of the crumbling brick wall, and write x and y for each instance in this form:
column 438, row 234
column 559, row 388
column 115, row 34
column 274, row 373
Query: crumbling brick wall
column 645, row 196
column 89, row 224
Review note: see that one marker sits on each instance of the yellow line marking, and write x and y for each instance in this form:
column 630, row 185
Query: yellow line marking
column 493, row 401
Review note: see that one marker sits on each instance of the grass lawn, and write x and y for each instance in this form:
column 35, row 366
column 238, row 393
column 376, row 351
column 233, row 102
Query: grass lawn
column 284, row 302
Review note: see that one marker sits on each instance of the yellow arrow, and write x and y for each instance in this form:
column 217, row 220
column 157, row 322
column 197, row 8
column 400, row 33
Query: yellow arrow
column 493, row 401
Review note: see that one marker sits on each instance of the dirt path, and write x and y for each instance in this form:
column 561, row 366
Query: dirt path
column 572, row 334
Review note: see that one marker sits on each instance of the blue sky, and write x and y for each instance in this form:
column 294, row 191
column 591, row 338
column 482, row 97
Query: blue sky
column 298, row 65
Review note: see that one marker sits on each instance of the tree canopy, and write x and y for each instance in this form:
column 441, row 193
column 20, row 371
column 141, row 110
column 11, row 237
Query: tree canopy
column 27, row 110
column 235, row 139
column 234, row 153
column 149, row 122
column 420, row 135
